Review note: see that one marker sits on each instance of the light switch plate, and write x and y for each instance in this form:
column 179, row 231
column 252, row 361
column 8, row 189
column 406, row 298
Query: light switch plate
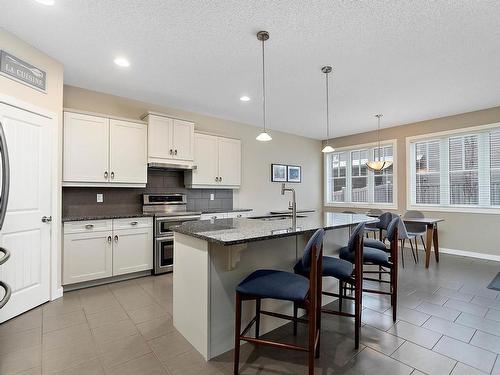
column 100, row 198
column 212, row 196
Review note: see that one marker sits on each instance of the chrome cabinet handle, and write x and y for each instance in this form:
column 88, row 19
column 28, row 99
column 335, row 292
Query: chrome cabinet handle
column 7, row 295
column 175, row 153
column 116, row 238
column 46, row 219
column 214, row 217
column 171, row 151
column 220, row 179
column 106, row 174
column 109, row 239
column 238, row 215
column 112, row 175
column 6, row 255
column 216, row 179
column 89, row 226
column 134, row 222
column 4, row 198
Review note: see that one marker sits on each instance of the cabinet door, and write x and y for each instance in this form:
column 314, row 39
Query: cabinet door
column 160, row 137
column 183, row 140
column 206, row 155
column 86, row 148
column 87, row 256
column 127, row 152
column 132, row 250
column 230, row 161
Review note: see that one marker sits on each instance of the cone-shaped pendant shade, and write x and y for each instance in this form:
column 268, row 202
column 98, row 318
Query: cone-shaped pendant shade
column 327, row 149
column 264, row 137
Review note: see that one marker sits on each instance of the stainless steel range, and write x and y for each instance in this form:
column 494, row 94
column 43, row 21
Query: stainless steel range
column 169, row 210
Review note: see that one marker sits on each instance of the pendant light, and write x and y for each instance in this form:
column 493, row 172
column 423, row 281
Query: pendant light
column 327, row 70
column 264, row 136
column 381, row 163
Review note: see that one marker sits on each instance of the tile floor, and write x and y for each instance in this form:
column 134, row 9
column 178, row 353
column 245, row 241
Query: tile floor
column 448, row 323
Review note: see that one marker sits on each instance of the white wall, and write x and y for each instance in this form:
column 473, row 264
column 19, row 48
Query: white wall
column 257, row 191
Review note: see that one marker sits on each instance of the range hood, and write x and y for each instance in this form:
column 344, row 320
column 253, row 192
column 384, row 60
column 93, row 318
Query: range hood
column 175, row 166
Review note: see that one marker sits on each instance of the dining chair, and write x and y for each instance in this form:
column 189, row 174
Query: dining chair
column 387, row 261
column 372, row 228
column 403, row 235
column 303, row 292
column 347, row 275
column 416, row 229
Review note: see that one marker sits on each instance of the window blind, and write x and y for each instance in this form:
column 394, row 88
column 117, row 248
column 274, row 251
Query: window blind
column 457, row 170
column 350, row 181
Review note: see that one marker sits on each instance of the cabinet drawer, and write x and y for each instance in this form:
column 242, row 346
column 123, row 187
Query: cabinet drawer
column 133, row 222
column 88, row 226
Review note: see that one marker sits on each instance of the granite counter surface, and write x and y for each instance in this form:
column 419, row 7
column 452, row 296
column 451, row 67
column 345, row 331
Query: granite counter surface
column 104, row 217
column 243, row 230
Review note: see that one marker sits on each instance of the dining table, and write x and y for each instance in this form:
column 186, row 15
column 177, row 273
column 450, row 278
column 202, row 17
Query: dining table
column 431, row 234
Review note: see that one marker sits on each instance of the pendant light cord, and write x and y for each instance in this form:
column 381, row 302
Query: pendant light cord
column 327, row 110
column 263, row 87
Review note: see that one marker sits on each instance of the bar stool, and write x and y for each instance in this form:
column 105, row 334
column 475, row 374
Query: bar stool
column 345, row 273
column 386, row 259
column 281, row 285
column 372, row 228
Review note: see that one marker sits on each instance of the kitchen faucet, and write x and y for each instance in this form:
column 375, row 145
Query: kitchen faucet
column 294, row 203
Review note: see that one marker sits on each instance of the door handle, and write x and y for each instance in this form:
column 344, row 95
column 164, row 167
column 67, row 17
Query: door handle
column 6, row 255
column 216, row 179
column 109, row 239
column 4, row 198
column 46, row 219
column 7, row 294
column 89, row 226
column 175, row 153
column 112, row 175
column 220, row 179
column 106, row 174
column 171, row 152
column 116, row 238
column 134, row 222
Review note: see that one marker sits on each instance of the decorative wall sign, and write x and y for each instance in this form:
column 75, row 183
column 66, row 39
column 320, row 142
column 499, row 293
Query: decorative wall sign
column 278, row 173
column 294, row 173
column 21, row 71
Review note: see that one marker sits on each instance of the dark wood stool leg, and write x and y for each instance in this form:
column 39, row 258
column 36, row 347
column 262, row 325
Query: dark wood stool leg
column 402, row 255
column 341, row 292
column 257, row 318
column 237, row 332
column 312, row 338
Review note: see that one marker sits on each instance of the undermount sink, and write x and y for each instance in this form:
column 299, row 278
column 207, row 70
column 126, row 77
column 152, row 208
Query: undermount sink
column 274, row 217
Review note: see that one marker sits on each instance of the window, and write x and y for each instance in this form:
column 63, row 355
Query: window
column 460, row 170
column 350, row 182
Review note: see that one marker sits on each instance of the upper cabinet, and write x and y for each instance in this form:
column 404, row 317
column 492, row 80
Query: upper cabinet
column 218, row 162
column 100, row 151
column 170, row 140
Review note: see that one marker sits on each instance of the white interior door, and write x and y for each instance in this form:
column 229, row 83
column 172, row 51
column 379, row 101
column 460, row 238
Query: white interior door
column 24, row 234
column 206, row 159
column 230, row 161
column 127, row 152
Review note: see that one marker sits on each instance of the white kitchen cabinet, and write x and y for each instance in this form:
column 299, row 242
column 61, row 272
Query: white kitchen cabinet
column 218, row 161
column 86, row 144
column 170, row 140
column 87, row 252
column 99, row 151
column 128, row 152
column 132, row 250
column 98, row 249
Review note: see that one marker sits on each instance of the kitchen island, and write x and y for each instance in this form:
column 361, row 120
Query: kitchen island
column 212, row 256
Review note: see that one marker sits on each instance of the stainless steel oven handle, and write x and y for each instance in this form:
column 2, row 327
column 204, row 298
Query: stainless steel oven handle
column 4, row 198
column 178, row 218
column 165, row 238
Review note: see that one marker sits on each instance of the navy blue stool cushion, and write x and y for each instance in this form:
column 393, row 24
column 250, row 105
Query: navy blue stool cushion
column 275, row 284
column 334, row 267
column 376, row 244
column 370, row 255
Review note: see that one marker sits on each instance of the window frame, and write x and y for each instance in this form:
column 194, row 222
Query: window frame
column 482, row 131
column 371, row 176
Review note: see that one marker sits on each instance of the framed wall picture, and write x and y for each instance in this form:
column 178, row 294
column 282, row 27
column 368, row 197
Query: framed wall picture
column 294, row 173
column 278, row 173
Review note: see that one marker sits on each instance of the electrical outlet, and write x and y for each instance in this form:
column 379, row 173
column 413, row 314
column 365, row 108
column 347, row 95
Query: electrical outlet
column 100, row 198
column 212, row 196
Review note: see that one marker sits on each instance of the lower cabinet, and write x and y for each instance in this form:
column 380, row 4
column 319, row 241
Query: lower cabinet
column 102, row 248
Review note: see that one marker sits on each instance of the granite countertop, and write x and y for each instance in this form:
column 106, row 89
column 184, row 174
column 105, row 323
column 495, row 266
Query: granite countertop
column 219, row 210
column 237, row 231
column 104, row 217
column 303, row 211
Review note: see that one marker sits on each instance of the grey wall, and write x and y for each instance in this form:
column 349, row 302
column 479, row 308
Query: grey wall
column 78, row 201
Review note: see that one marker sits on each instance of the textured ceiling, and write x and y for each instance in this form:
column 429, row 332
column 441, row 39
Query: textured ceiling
column 410, row 60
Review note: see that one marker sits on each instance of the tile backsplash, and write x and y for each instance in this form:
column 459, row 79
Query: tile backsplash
column 79, row 201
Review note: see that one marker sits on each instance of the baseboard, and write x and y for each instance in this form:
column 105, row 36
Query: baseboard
column 469, row 254
column 58, row 293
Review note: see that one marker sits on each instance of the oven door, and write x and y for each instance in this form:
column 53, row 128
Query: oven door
column 164, row 255
column 164, row 225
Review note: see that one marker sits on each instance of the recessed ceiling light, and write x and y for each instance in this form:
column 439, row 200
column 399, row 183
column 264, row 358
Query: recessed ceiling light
column 123, row 62
column 245, row 98
column 46, row 2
